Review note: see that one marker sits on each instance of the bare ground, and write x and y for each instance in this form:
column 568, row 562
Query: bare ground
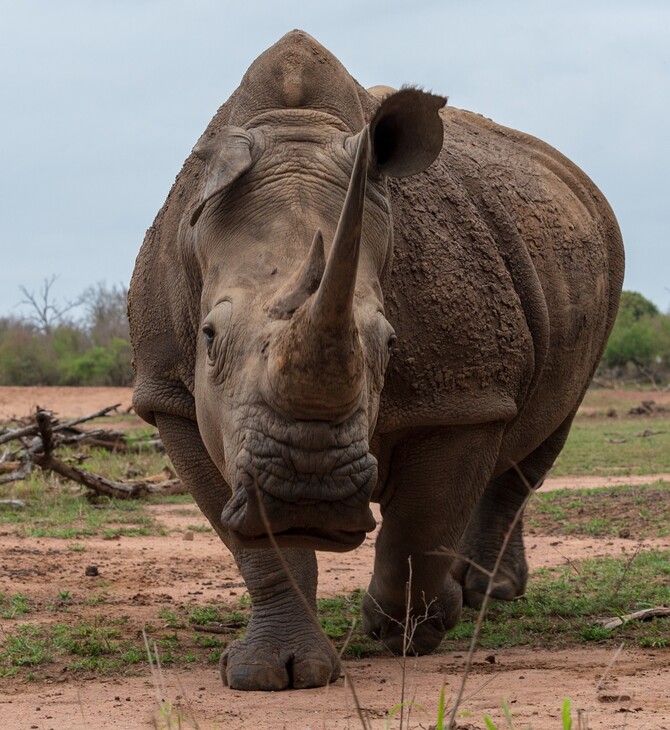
column 143, row 574
column 17, row 402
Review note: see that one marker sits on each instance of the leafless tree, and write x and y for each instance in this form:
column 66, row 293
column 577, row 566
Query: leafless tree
column 45, row 311
column 105, row 308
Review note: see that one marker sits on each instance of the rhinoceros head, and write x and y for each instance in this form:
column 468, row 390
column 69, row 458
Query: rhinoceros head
column 292, row 231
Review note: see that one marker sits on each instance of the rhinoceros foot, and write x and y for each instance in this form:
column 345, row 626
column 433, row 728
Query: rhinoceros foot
column 270, row 658
column 508, row 584
column 421, row 632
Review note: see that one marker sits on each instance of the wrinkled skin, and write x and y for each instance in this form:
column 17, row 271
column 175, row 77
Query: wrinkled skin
column 354, row 296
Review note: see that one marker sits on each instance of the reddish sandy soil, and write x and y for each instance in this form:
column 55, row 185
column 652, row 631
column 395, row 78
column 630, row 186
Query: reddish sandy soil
column 65, row 402
column 144, row 574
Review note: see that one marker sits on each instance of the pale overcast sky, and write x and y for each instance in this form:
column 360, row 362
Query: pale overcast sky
column 101, row 101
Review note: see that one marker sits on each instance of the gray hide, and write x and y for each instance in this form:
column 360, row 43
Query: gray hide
column 351, row 297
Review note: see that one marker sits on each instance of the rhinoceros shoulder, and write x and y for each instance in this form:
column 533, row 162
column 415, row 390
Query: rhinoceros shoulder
column 506, row 256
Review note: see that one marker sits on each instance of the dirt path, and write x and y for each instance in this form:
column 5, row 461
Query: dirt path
column 533, row 684
column 145, row 574
column 552, row 484
column 142, row 575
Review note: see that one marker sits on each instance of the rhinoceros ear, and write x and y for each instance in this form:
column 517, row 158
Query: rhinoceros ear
column 406, row 132
column 227, row 156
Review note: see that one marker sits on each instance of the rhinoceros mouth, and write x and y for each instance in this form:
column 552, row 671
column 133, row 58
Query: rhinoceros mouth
column 307, row 483
column 251, row 514
column 339, row 541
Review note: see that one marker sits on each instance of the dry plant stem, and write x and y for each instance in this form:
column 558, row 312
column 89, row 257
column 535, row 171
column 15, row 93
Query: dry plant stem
column 603, row 679
column 305, row 603
column 81, row 709
column 582, row 720
column 487, row 596
column 626, row 568
column 147, row 648
column 408, row 598
column 189, row 706
column 569, row 562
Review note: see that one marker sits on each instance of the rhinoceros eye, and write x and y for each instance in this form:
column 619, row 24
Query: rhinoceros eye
column 209, row 333
column 391, row 342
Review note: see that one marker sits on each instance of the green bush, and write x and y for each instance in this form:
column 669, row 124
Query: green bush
column 98, row 365
column 633, row 341
column 47, row 346
column 24, row 360
column 640, row 339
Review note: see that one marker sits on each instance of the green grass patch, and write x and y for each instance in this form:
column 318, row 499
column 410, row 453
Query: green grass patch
column 118, row 466
column 340, row 618
column 63, row 510
column 26, row 647
column 104, row 646
column 563, row 606
column 13, row 606
column 636, row 512
column 601, row 446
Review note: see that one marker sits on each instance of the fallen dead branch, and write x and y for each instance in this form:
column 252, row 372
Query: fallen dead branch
column 33, row 429
column 69, row 433
column 222, row 627
column 40, row 440
column 644, row 615
column 14, row 503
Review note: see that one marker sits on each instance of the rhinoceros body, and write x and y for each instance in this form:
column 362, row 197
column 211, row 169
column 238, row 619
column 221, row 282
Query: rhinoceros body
column 345, row 300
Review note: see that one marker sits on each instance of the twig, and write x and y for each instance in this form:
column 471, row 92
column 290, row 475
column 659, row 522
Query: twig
column 19, row 474
column 408, row 606
column 215, row 628
column 624, row 572
column 603, row 679
column 33, row 429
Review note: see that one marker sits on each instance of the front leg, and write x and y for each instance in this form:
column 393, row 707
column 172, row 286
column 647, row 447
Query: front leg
column 283, row 646
column 435, row 479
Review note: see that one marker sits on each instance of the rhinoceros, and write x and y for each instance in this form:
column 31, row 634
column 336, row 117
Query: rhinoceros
column 353, row 297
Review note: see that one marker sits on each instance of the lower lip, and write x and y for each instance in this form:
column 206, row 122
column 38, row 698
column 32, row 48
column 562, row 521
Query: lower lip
column 336, row 541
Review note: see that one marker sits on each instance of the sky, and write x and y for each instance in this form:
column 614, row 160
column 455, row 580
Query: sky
column 101, row 101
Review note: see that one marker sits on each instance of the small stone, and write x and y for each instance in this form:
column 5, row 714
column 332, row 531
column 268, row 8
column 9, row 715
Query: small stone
column 490, row 659
column 188, row 536
column 92, row 570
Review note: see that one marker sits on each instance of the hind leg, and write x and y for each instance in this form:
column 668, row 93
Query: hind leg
column 436, row 478
column 492, row 519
